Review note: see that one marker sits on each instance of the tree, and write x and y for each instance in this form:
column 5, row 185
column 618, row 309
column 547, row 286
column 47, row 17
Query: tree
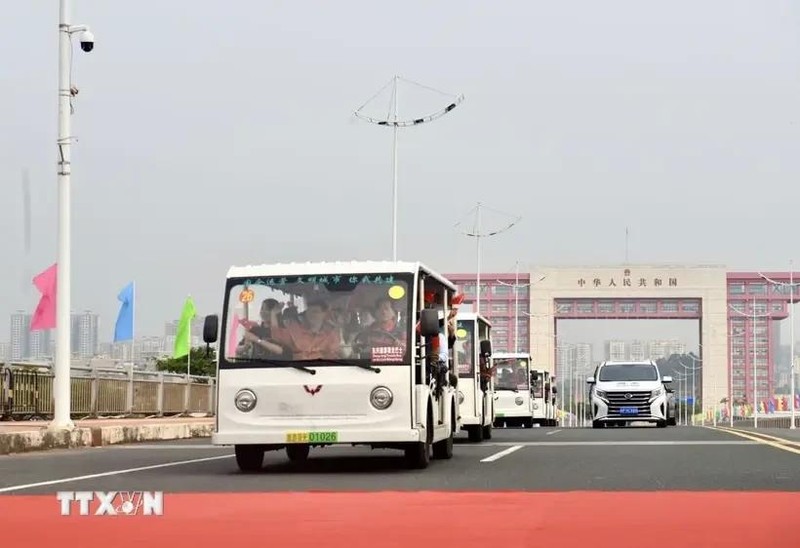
column 202, row 364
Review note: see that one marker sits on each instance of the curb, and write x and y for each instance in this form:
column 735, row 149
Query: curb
column 99, row 436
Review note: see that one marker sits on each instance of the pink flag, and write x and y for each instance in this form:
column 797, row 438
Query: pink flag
column 44, row 317
column 232, row 338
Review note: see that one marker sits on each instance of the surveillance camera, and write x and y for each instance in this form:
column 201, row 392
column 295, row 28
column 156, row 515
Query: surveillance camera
column 87, row 41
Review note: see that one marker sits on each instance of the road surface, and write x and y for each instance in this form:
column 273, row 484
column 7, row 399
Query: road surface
column 539, row 459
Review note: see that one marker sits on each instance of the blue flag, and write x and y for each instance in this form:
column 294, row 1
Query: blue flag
column 123, row 330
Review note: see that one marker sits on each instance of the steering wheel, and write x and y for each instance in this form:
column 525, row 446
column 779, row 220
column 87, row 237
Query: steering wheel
column 258, row 348
column 360, row 343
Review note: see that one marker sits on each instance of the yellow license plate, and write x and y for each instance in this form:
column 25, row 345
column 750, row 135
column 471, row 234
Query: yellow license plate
column 312, row 437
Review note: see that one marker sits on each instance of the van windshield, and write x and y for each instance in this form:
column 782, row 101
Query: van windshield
column 628, row 372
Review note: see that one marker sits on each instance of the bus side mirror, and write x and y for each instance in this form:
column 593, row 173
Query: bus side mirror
column 486, row 348
column 210, row 328
column 590, row 380
column 428, row 322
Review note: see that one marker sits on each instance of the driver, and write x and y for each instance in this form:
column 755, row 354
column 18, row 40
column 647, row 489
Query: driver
column 256, row 342
column 384, row 331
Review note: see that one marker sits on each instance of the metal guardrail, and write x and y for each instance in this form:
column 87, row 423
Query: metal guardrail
column 26, row 392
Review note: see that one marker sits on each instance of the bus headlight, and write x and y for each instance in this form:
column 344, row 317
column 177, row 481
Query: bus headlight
column 460, row 397
column 381, row 398
column 518, row 400
column 245, row 400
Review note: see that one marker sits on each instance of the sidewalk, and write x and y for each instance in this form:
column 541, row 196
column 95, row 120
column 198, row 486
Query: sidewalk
column 24, row 436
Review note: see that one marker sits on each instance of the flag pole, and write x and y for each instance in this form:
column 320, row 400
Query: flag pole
column 189, row 354
column 133, row 321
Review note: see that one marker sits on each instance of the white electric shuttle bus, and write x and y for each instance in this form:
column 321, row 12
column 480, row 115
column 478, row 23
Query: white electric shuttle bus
column 317, row 354
column 544, row 412
column 512, row 389
column 473, row 355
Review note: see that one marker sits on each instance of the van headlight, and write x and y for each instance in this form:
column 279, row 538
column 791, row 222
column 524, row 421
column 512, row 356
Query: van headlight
column 518, row 400
column 601, row 394
column 381, row 398
column 657, row 392
column 460, row 397
column 245, row 400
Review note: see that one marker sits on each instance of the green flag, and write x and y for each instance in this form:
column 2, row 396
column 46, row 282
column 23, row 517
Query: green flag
column 183, row 340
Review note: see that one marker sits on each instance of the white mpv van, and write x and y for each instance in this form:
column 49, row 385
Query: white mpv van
column 625, row 392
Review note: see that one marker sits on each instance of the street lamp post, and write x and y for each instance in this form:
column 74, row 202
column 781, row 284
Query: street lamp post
column 395, row 122
column 791, row 337
column 476, row 232
column 517, row 287
column 66, row 91
column 753, row 318
column 693, row 369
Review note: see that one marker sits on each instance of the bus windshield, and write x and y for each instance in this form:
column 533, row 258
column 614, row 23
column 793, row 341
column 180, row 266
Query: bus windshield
column 465, row 348
column 326, row 319
column 511, row 374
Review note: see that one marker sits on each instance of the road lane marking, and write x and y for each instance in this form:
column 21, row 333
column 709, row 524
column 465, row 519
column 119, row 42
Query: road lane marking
column 754, row 438
column 610, row 443
column 166, row 446
column 553, row 432
column 502, row 453
column 763, row 435
column 112, row 473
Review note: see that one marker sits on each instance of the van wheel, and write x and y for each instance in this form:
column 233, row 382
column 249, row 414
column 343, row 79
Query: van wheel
column 662, row 424
column 443, row 450
column 249, row 458
column 418, row 455
column 597, row 424
column 476, row 434
column 672, row 422
column 297, row 453
column 487, row 432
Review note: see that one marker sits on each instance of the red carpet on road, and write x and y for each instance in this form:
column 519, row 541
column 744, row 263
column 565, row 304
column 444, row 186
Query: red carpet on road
column 375, row 519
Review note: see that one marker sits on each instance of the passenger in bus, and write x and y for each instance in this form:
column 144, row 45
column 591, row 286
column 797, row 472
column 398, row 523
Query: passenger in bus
column 486, row 371
column 311, row 339
column 257, row 341
column 384, row 331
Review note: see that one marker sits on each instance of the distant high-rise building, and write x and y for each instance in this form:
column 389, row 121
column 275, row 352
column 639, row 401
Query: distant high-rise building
column 171, row 329
column 85, row 331
column 616, row 350
column 638, row 351
column 583, row 357
column 40, row 344
column 20, row 325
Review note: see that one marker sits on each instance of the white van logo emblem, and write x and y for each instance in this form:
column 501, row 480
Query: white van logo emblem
column 313, row 390
column 628, row 396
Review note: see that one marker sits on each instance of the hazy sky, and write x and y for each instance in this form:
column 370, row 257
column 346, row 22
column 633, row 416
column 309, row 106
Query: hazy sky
column 219, row 133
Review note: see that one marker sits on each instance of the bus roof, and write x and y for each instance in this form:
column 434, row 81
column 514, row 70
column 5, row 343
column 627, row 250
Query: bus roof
column 336, row 267
column 473, row 316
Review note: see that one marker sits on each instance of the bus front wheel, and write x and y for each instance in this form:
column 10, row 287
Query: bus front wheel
column 249, row 458
column 297, row 453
